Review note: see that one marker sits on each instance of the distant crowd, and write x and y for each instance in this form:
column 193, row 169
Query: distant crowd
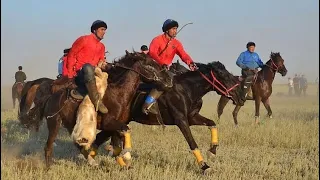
column 298, row 85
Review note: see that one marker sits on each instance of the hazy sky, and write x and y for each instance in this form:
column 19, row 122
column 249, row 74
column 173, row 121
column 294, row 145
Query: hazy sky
column 34, row 33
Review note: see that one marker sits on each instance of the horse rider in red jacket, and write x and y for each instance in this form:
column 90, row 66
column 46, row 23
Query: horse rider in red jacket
column 85, row 54
column 162, row 49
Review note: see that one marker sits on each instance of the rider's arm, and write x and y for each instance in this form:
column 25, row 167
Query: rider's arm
column 259, row 61
column 16, row 76
column 240, row 61
column 102, row 53
column 24, row 76
column 72, row 56
column 183, row 55
column 153, row 50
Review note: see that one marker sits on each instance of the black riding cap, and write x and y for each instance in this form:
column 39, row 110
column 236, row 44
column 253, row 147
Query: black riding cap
column 168, row 24
column 144, row 48
column 65, row 51
column 251, row 44
column 98, row 24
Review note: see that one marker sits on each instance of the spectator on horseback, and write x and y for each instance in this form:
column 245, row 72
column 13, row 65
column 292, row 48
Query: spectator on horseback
column 85, row 54
column 20, row 76
column 249, row 61
column 61, row 60
column 162, row 49
column 144, row 49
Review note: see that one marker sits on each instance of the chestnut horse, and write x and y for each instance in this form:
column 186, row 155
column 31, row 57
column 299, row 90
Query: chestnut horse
column 261, row 87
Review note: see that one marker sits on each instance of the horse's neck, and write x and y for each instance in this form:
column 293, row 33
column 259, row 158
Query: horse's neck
column 268, row 74
column 129, row 83
column 195, row 84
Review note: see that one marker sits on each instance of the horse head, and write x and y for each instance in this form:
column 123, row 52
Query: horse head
column 221, row 80
column 276, row 63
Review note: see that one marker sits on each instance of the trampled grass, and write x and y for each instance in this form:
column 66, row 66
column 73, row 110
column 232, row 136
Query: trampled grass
column 285, row 147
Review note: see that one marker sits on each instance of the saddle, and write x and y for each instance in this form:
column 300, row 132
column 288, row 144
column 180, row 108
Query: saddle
column 64, row 83
column 254, row 80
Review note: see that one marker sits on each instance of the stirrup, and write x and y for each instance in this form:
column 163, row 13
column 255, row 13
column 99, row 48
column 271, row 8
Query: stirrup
column 76, row 94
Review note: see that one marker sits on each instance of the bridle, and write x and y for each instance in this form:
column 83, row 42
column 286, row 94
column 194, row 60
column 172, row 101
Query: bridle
column 224, row 90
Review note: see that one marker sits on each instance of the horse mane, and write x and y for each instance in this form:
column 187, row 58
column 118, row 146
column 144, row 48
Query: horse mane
column 127, row 60
column 218, row 69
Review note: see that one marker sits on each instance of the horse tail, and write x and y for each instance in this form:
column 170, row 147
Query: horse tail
column 43, row 94
column 24, row 94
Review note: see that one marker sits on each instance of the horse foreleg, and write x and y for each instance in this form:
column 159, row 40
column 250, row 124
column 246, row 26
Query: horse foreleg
column 183, row 125
column 14, row 102
column 112, row 124
column 197, row 119
column 235, row 115
column 257, row 107
column 266, row 104
column 223, row 101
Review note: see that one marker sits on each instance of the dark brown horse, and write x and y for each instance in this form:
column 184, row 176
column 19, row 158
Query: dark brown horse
column 261, row 87
column 181, row 104
column 16, row 92
column 132, row 69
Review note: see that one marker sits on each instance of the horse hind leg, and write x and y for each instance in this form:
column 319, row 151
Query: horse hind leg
column 53, row 125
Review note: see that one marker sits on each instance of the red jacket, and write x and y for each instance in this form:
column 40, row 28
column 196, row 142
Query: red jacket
column 86, row 49
column 64, row 66
column 175, row 47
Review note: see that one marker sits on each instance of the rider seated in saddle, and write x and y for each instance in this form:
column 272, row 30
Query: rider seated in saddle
column 61, row 60
column 85, row 54
column 144, row 49
column 249, row 61
column 20, row 76
column 162, row 49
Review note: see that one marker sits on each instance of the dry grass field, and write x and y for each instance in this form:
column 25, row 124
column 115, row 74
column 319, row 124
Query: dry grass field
column 285, row 147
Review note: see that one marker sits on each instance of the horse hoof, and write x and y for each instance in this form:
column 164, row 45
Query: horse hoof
column 208, row 171
column 124, row 168
column 92, row 162
column 270, row 117
column 205, row 168
column 213, row 149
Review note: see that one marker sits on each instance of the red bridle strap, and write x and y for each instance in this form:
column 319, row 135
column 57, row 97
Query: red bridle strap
column 225, row 91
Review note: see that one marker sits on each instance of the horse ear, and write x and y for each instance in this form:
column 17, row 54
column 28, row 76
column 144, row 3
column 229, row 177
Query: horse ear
column 178, row 62
column 127, row 52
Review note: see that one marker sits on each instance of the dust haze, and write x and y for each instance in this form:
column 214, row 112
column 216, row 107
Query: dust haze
column 35, row 33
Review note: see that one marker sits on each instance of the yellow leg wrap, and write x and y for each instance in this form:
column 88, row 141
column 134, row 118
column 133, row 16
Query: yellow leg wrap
column 127, row 140
column 117, row 151
column 198, row 155
column 214, row 136
column 93, row 150
column 120, row 161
